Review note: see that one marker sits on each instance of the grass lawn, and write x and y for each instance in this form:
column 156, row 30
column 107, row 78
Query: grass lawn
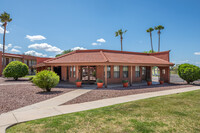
column 29, row 76
column 166, row 114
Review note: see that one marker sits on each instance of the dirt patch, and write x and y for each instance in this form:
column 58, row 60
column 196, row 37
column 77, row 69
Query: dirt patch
column 20, row 95
column 104, row 93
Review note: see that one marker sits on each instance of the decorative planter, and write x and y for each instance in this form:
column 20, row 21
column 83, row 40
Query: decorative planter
column 161, row 82
column 78, row 84
column 149, row 83
column 125, row 84
column 99, row 85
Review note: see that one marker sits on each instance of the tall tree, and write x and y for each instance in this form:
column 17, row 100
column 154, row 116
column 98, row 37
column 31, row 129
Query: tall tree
column 159, row 28
column 150, row 31
column 5, row 18
column 120, row 33
column 64, row 52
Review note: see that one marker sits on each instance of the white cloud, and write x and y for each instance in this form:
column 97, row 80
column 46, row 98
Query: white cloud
column 181, row 62
column 101, row 40
column 6, row 47
column 94, row 43
column 36, row 37
column 9, row 45
column 197, row 53
column 14, row 50
column 46, row 47
column 17, row 47
column 2, row 30
column 78, row 48
column 34, row 53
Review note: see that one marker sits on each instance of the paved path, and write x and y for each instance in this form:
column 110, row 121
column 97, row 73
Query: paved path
column 15, row 83
column 14, row 117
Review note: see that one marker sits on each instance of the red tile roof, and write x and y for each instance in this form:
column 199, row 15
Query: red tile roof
column 110, row 56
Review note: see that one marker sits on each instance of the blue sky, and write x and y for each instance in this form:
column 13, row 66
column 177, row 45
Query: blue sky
column 66, row 24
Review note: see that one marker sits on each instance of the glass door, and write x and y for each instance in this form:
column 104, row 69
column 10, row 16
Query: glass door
column 89, row 74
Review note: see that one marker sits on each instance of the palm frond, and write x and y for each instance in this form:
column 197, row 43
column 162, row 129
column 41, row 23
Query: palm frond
column 116, row 34
column 159, row 27
column 5, row 17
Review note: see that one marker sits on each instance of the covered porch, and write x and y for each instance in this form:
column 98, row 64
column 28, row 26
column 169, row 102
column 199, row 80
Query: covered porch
column 110, row 74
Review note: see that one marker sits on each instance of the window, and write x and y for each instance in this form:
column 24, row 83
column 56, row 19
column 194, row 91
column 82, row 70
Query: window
column 116, row 72
column 137, row 71
column 74, row 71
column 70, row 71
column 163, row 71
column 143, row 71
column 125, row 71
column 29, row 63
column 108, row 72
column 34, row 62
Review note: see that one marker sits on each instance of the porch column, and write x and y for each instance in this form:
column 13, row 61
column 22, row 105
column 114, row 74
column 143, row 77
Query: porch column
column 131, row 75
column 106, row 76
column 77, row 71
column 51, row 68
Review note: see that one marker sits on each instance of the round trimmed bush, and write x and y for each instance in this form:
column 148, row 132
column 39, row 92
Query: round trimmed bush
column 15, row 69
column 46, row 80
column 189, row 72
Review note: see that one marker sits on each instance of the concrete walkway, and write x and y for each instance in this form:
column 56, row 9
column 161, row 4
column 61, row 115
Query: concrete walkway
column 54, row 101
column 14, row 117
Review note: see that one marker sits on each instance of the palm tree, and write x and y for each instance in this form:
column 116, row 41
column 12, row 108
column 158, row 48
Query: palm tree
column 120, row 33
column 5, row 18
column 149, row 31
column 159, row 28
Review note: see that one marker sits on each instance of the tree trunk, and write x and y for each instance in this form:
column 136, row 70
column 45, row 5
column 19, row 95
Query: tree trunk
column 48, row 89
column 158, row 40
column 151, row 43
column 121, row 43
column 4, row 37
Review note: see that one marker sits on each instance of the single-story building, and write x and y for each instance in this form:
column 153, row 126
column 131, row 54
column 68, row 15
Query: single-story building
column 109, row 65
column 30, row 61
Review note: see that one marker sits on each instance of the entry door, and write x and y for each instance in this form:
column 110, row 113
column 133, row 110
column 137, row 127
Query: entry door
column 89, row 74
column 144, row 73
column 148, row 72
column 57, row 70
column 7, row 61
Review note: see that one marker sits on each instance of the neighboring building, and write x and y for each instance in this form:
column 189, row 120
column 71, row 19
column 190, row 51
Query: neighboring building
column 109, row 65
column 30, row 61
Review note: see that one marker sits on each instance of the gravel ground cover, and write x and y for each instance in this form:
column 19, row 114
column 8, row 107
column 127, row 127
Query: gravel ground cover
column 16, row 96
column 104, row 93
column 10, row 80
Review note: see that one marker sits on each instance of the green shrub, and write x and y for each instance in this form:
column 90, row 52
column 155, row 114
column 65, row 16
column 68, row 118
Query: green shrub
column 189, row 72
column 46, row 80
column 149, row 80
column 31, row 79
column 99, row 81
column 15, row 69
column 124, row 81
column 78, row 80
column 161, row 79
